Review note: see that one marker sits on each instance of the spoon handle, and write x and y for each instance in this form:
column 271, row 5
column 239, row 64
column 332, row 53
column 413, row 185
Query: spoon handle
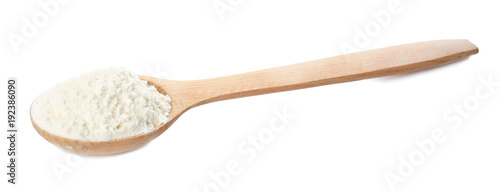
column 344, row 68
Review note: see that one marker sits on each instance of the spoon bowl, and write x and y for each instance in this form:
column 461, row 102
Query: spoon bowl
column 116, row 145
column 338, row 69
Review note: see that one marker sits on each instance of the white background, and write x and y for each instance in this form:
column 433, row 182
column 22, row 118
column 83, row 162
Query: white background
column 344, row 137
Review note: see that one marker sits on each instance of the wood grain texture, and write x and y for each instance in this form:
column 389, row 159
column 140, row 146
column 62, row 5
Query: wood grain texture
column 344, row 68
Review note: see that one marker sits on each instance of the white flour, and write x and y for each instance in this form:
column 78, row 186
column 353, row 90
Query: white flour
column 99, row 106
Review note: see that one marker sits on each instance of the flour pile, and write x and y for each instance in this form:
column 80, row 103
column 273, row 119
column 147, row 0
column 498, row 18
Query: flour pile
column 103, row 105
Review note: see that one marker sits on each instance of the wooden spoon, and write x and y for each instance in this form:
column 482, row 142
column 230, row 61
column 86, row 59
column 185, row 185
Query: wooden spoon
column 350, row 67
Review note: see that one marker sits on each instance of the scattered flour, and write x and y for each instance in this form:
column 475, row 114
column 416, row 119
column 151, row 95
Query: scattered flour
column 99, row 106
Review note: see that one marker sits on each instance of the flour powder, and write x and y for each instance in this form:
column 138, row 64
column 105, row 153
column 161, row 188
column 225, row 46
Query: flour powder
column 99, row 106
